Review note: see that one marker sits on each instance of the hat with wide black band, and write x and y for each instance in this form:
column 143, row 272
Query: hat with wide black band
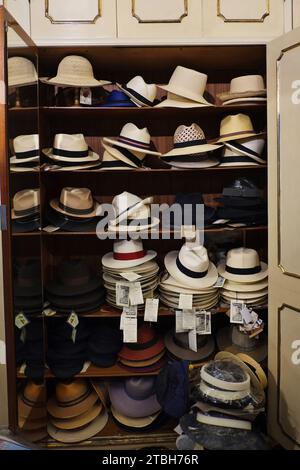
column 243, row 265
column 111, row 162
column 140, row 92
column 131, row 157
column 71, row 148
column 26, row 149
column 250, row 148
column 76, row 202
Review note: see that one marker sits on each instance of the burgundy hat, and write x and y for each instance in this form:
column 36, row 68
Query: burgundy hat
column 149, row 344
column 145, row 369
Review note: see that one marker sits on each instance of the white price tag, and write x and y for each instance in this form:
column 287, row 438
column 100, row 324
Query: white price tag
column 86, row 96
column 236, row 308
column 151, row 310
column 122, row 294
column 179, row 322
column 178, row 430
column 21, row 321
column 122, row 320
column 130, row 330
column 189, row 320
column 136, row 294
column 50, row 228
column 220, row 282
column 130, row 312
column 203, row 323
column 246, row 314
column 185, row 301
column 73, row 335
column 73, row 320
column 131, row 277
column 193, row 340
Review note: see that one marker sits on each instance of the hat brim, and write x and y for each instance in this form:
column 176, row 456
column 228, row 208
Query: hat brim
column 240, row 151
column 250, row 278
column 185, row 94
column 23, row 169
column 29, row 412
column 186, row 104
column 247, row 94
column 196, row 304
column 57, row 411
column 32, row 424
column 224, row 343
column 156, row 366
column 244, row 295
column 131, row 210
column 130, row 407
column 93, row 156
column 72, row 437
column 208, row 281
column 54, row 203
column 108, row 260
column 194, row 150
column 129, row 147
column 145, row 363
column 69, row 225
column 171, row 281
column 133, row 228
column 237, row 164
column 239, row 137
column 242, row 287
column 36, row 435
column 134, row 422
column 142, row 354
column 202, row 163
column 119, row 156
column 19, row 226
column 78, row 421
column 203, row 352
column 252, row 100
column 56, row 81
column 135, row 100
column 15, row 161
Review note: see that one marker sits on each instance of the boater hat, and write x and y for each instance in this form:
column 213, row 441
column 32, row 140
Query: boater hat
column 76, row 202
column 21, row 72
column 243, row 265
column 26, row 203
column 126, row 254
column 247, row 86
column 134, row 423
column 75, row 71
column 140, row 92
column 80, row 420
column 71, row 148
column 237, row 126
column 26, row 148
column 133, row 138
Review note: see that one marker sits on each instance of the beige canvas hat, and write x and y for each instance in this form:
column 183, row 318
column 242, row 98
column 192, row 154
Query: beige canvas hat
column 71, row 148
column 71, row 399
column 80, row 420
column 190, row 140
column 26, row 148
column 130, row 157
column 127, row 253
column 237, row 126
column 242, row 287
column 76, row 202
column 127, row 204
column 247, row 86
column 175, row 101
column 243, row 265
column 110, row 162
column 232, row 340
column 140, row 92
column 75, row 71
column 21, row 72
column 188, row 84
column 25, row 203
column 133, row 138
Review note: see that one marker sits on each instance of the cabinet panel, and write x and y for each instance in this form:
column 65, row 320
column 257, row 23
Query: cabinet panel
column 73, row 21
column 296, row 13
column 20, row 10
column 156, row 20
column 233, row 18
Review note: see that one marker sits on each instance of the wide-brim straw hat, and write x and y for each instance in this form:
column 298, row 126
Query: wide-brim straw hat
column 109, row 261
column 190, row 140
column 133, row 138
column 129, row 146
column 250, row 101
column 80, row 420
column 247, row 149
column 82, row 403
column 135, row 160
column 192, row 162
column 141, row 93
column 76, row 203
column 235, row 127
column 133, row 408
column 110, row 162
column 133, row 227
column 203, row 352
column 35, row 435
column 260, row 346
column 175, row 101
column 21, row 72
column 169, row 283
column 244, row 295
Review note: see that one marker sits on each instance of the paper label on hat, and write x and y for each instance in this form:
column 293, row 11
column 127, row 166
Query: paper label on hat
column 136, row 294
column 219, row 283
column 86, row 96
column 122, row 320
column 236, row 312
column 122, row 294
column 179, row 322
column 86, row 365
column 203, row 322
column 50, row 228
column 48, row 312
column 128, row 312
column 73, row 320
column 131, row 277
column 130, row 330
column 73, row 335
column 185, row 301
column 193, row 340
column 188, row 232
column 221, row 221
column 189, row 319
column 21, row 320
column 246, row 315
column 151, row 310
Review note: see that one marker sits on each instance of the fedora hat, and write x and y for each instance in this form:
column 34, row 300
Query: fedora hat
column 118, row 99
column 130, row 157
column 243, row 265
column 169, row 283
column 110, row 162
column 190, row 140
column 71, row 399
column 80, row 420
column 70, row 224
column 32, row 401
column 191, row 266
column 75, row 71
column 138, row 220
column 21, row 72
column 26, row 203
column 244, row 295
column 133, row 138
column 178, row 345
column 140, row 92
column 192, row 161
column 76, row 202
column 188, row 84
column 149, row 344
column 233, row 158
column 247, row 86
column 251, row 148
column 231, row 339
column 71, row 148
column 126, row 204
column 127, row 253
column 175, row 101
column 26, row 149
column 237, row 126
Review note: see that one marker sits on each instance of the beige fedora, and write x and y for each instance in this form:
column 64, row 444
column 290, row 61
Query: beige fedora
column 133, row 138
column 21, row 72
column 76, row 202
column 25, row 203
column 190, row 140
column 71, row 148
column 26, row 149
column 126, row 254
column 175, row 101
column 188, row 84
column 80, row 420
column 232, row 340
column 237, row 126
column 110, row 162
column 141, row 93
column 243, row 265
column 75, row 71
column 242, row 287
column 130, row 157
column 134, row 422
column 247, row 86
column 71, row 399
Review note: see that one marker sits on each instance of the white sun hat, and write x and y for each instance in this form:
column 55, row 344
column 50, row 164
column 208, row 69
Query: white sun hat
column 126, row 204
column 127, row 253
column 251, row 148
column 243, row 265
column 141, row 93
column 133, row 138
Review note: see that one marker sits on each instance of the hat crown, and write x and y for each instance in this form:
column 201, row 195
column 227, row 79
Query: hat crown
column 124, row 201
column 192, row 80
column 26, row 199
column 67, row 392
column 145, row 334
column 76, row 198
column 24, row 143
column 139, row 85
column 242, row 258
column 237, row 123
column 128, row 246
column 188, row 134
column 75, row 65
column 247, row 83
column 132, row 132
column 20, row 71
column 182, row 339
column 70, row 142
column 35, row 393
column 195, row 258
column 140, row 388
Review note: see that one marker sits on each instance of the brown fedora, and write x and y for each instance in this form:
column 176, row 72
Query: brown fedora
column 76, row 202
column 80, row 420
column 32, row 401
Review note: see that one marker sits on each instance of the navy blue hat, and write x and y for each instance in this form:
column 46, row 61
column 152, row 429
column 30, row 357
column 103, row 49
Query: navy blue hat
column 118, row 99
column 26, row 225
column 71, row 225
column 66, row 369
column 172, row 388
column 103, row 360
column 104, row 344
column 77, row 301
column 190, row 213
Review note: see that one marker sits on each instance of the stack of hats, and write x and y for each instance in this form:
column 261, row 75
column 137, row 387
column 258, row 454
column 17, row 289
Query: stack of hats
column 185, row 89
column 32, row 411
column 75, row 288
column 190, row 272
column 25, row 212
column 129, row 256
column 71, row 152
column 26, row 149
column 242, row 204
column 246, row 277
column 134, row 404
column 28, row 291
column 243, row 146
column 76, row 412
column 128, row 150
column 248, row 89
column 177, row 345
column 75, row 210
column 21, row 72
column 117, row 99
column 104, row 345
column 146, row 355
column 140, row 93
column 30, row 349
column 191, row 213
column 230, row 397
column 67, row 347
column 191, row 149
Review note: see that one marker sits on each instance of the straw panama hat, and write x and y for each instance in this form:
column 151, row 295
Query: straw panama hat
column 175, row 101
column 190, row 140
column 140, row 92
column 127, row 253
column 234, row 158
column 26, row 148
column 134, row 422
column 243, row 265
column 237, row 126
column 188, row 84
column 80, row 420
column 76, row 202
column 80, row 435
column 110, row 162
column 191, row 267
column 252, row 148
column 75, row 71
column 127, row 204
column 21, row 72
column 71, row 148
column 78, row 392
column 137, row 221
column 25, row 203
column 133, row 158
column 247, row 86
column 133, row 138
column 32, row 401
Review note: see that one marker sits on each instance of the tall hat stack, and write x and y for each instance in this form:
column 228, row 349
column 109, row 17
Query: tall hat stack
column 28, row 289
column 134, row 404
column 26, row 153
column 76, row 412
column 142, row 94
column 191, row 149
column 189, row 272
column 129, row 257
column 247, row 89
column 71, row 152
column 128, row 150
column 230, row 397
column 32, row 412
column 25, row 212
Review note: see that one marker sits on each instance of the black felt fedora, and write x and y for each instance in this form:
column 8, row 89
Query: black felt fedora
column 27, row 278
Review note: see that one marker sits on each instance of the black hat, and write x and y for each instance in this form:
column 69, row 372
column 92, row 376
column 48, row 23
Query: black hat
column 59, row 330
column 77, row 302
column 28, row 279
column 71, row 225
column 28, row 224
column 104, row 344
column 190, row 213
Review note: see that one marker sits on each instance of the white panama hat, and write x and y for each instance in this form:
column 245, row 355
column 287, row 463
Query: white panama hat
column 127, row 253
column 71, row 148
column 26, row 148
column 21, row 72
column 141, row 93
column 243, row 265
column 133, row 138
column 246, row 86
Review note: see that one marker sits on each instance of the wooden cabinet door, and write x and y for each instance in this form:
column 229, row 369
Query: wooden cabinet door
column 158, row 20
column 284, row 239
column 296, row 13
column 20, row 10
column 258, row 19
column 59, row 22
